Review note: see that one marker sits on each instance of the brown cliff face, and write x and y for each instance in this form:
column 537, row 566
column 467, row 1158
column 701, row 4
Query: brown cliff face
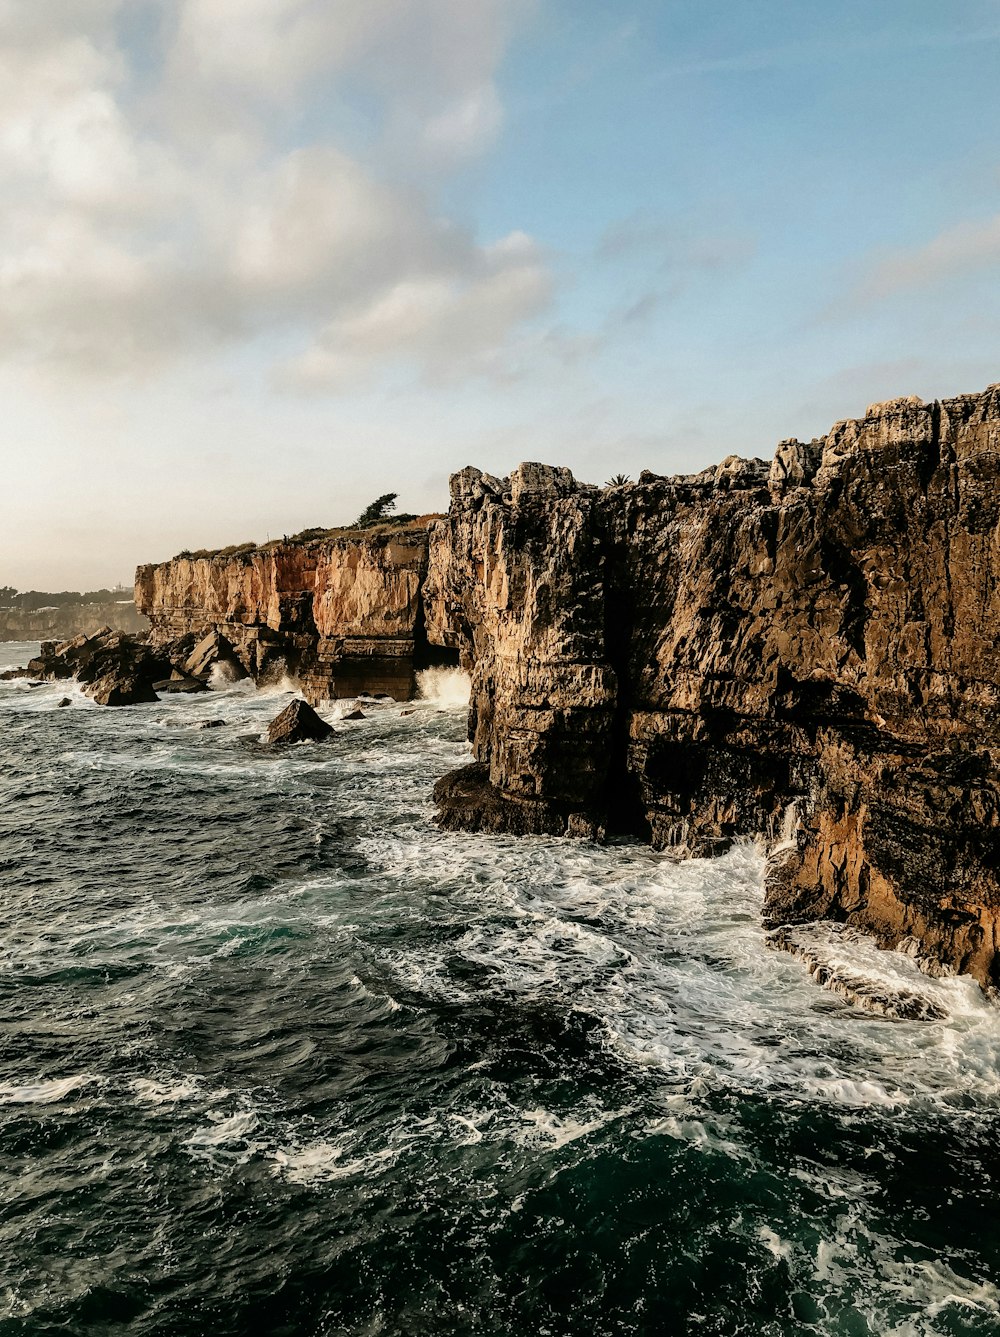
column 804, row 651
column 341, row 614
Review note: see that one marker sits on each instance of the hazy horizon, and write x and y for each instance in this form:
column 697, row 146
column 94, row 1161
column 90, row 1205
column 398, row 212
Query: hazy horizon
column 264, row 261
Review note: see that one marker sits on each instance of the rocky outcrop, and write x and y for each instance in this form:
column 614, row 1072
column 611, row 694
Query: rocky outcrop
column 298, row 723
column 803, row 650
column 340, row 615
column 212, row 654
column 116, row 669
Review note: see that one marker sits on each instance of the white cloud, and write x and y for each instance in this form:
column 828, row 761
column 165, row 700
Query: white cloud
column 126, row 241
column 432, row 63
column 448, row 320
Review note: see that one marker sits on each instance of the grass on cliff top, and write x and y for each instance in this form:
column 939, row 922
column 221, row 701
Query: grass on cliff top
column 314, row 535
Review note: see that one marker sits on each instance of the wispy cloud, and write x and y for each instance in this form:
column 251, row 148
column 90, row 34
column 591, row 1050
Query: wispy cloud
column 965, row 248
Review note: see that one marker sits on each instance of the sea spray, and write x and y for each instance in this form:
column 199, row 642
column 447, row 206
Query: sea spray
column 447, row 688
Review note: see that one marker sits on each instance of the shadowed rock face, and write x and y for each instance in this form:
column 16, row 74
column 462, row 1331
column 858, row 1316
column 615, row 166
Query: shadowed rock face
column 341, row 615
column 804, row 650
column 298, row 723
column 117, row 669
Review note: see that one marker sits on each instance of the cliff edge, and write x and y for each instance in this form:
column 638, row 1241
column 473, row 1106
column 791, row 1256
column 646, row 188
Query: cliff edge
column 340, row 614
column 803, row 650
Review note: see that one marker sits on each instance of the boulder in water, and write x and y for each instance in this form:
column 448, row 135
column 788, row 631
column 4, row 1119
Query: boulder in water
column 356, row 715
column 298, row 723
column 179, row 681
column 60, row 705
column 121, row 688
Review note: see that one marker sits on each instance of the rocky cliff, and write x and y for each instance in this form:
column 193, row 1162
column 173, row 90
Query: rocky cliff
column 804, row 650
column 341, row 614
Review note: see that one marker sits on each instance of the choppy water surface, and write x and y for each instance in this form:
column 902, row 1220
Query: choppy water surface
column 278, row 1057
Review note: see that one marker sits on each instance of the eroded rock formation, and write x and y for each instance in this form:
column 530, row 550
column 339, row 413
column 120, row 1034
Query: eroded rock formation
column 116, row 669
column 804, row 650
column 340, row 615
column 298, row 723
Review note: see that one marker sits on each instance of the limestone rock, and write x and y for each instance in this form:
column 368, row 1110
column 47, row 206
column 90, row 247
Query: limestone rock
column 120, row 688
column 117, row 668
column 181, row 683
column 214, row 651
column 339, row 614
column 802, row 652
column 298, row 723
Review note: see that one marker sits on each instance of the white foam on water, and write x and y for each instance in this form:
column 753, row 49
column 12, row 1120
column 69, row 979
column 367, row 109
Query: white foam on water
column 847, row 1264
column 671, row 961
column 319, row 1162
column 152, row 1092
column 446, row 688
column 228, row 1136
column 283, row 686
column 44, row 1092
column 540, row 1127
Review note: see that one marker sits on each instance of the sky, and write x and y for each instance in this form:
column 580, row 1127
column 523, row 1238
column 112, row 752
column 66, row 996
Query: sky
column 263, row 260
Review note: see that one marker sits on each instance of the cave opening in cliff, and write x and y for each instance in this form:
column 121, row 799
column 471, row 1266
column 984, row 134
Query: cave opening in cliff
column 426, row 655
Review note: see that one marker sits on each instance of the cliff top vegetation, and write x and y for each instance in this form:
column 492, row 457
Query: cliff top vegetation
column 316, row 534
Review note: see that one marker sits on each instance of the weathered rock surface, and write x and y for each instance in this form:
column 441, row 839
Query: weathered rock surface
column 298, row 723
column 803, row 650
column 117, row 669
column 340, row 615
column 214, row 652
column 121, row 687
column 181, row 682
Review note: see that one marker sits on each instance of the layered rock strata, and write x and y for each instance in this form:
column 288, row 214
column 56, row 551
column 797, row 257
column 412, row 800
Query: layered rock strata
column 340, row 615
column 803, row 650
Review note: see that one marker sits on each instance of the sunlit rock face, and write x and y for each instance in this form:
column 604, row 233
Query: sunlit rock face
column 339, row 615
column 803, row 650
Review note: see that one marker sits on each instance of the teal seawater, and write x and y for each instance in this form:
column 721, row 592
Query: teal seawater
column 278, row 1057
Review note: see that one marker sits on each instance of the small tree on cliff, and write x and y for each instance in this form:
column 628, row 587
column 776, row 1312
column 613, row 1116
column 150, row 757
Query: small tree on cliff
column 378, row 510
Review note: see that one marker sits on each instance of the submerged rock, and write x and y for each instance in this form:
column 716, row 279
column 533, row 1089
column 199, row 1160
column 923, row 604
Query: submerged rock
column 298, row 723
column 180, row 682
column 61, row 705
column 850, row 964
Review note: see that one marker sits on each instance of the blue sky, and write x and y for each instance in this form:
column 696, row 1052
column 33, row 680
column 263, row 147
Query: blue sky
column 264, row 259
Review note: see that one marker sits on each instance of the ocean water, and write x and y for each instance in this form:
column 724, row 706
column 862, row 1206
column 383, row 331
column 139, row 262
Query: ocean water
column 278, row 1057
